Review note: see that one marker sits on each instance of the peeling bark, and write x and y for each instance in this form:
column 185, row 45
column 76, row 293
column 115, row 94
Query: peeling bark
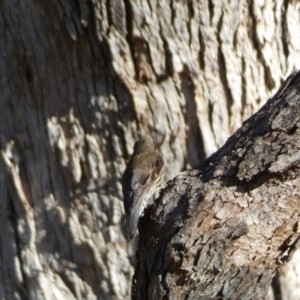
column 221, row 229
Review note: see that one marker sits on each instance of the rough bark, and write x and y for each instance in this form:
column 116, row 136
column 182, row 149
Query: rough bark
column 221, row 229
column 79, row 79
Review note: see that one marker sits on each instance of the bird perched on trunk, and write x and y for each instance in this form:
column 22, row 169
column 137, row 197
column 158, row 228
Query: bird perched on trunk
column 144, row 172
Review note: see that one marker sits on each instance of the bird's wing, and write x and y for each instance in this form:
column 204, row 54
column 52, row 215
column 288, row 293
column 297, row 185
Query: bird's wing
column 146, row 176
column 146, row 169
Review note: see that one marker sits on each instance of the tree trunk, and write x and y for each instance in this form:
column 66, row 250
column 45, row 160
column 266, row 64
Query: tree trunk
column 220, row 230
column 79, row 80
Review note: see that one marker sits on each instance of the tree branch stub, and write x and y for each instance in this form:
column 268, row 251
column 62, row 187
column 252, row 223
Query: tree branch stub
column 221, row 229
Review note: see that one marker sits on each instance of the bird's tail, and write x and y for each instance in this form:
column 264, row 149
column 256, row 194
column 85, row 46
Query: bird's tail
column 132, row 220
column 130, row 227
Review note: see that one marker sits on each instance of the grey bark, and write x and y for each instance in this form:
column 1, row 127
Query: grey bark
column 79, row 80
column 221, row 229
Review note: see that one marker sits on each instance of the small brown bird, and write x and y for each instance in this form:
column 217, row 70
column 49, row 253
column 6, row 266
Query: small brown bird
column 141, row 177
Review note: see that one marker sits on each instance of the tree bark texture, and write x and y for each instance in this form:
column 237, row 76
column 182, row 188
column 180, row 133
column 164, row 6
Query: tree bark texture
column 79, row 80
column 220, row 230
